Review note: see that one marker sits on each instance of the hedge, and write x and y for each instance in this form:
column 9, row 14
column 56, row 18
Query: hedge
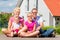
column 57, row 29
column 4, row 17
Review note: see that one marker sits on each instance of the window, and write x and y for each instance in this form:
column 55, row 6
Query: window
column 58, row 19
column 57, row 23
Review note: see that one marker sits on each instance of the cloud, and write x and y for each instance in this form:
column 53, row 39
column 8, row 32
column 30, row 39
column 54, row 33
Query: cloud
column 3, row 0
column 8, row 0
column 10, row 4
column 1, row 3
column 7, row 5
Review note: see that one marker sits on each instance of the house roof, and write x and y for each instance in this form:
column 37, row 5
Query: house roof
column 54, row 6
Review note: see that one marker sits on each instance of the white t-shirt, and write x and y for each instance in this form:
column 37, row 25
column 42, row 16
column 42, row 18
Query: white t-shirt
column 38, row 20
column 15, row 25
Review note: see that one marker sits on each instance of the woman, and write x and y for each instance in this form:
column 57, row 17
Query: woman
column 15, row 13
column 29, row 29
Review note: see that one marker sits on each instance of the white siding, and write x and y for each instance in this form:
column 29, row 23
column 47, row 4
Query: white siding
column 23, row 8
column 42, row 9
column 32, row 4
column 54, row 21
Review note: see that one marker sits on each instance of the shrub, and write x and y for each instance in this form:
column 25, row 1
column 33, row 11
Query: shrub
column 57, row 29
column 4, row 19
column 47, row 27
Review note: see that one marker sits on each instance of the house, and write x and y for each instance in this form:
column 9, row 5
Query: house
column 51, row 15
column 54, row 7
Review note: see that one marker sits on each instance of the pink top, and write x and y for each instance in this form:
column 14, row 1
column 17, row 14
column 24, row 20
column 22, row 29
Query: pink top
column 12, row 19
column 30, row 26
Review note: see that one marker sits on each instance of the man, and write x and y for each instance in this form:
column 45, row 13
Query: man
column 39, row 24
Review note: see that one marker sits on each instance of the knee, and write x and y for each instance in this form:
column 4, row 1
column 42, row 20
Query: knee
column 52, row 29
column 21, row 33
column 37, row 32
column 4, row 29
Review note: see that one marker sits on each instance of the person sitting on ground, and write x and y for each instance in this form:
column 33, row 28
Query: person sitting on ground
column 16, row 26
column 39, row 24
column 29, row 29
column 15, row 13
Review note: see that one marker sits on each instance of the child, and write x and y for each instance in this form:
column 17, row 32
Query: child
column 30, row 24
column 16, row 26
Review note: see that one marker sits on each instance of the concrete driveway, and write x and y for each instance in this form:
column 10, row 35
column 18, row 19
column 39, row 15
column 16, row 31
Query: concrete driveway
column 3, row 37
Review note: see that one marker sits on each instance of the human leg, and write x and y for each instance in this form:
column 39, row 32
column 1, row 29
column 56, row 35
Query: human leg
column 47, row 32
column 5, row 31
column 32, row 34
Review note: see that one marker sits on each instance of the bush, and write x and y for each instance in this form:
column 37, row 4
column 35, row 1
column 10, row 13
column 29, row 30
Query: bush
column 57, row 29
column 0, row 31
column 47, row 27
column 4, row 19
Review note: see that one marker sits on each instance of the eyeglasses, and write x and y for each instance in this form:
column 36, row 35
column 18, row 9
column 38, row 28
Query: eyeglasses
column 29, row 16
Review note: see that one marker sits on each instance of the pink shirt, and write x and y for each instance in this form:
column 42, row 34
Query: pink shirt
column 12, row 19
column 30, row 26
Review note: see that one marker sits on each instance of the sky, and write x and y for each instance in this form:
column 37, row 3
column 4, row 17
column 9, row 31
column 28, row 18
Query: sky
column 7, row 5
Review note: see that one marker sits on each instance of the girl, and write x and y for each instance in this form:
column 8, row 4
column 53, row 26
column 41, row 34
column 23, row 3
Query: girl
column 16, row 26
column 30, row 26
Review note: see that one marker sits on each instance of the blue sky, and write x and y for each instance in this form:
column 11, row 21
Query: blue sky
column 7, row 5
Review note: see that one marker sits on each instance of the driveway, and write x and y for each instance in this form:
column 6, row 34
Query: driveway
column 3, row 37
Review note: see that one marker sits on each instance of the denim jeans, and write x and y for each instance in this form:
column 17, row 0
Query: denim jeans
column 46, row 33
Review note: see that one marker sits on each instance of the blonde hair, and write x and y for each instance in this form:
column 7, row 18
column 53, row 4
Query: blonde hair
column 17, row 8
column 29, row 13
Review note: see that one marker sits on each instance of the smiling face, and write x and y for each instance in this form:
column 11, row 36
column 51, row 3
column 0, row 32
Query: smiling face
column 29, row 16
column 34, row 13
column 16, row 12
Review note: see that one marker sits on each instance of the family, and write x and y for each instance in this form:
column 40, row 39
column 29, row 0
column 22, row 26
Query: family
column 32, row 27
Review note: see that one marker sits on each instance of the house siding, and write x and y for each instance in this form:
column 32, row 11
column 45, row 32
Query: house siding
column 42, row 10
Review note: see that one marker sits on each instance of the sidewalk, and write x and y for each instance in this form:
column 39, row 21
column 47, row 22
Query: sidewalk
column 3, row 37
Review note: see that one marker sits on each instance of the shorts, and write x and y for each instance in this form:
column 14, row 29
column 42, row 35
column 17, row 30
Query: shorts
column 16, row 30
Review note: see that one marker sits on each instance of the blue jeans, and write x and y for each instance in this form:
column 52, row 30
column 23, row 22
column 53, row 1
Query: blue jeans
column 46, row 33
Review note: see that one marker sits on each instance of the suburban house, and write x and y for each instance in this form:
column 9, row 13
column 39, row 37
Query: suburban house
column 49, row 9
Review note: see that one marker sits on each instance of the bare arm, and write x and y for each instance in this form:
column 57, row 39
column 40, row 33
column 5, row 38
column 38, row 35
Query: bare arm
column 34, row 28
column 9, row 25
column 22, row 24
column 23, row 29
column 41, row 25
